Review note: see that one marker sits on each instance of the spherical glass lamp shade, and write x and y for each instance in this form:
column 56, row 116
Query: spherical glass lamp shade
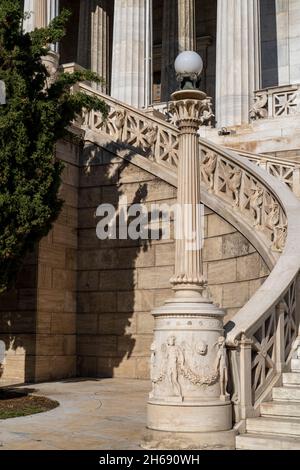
column 188, row 63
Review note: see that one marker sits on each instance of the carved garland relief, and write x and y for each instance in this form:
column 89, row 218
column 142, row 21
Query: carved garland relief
column 174, row 362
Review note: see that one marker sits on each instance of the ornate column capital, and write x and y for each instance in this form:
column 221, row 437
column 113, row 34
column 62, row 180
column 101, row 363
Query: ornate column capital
column 189, row 111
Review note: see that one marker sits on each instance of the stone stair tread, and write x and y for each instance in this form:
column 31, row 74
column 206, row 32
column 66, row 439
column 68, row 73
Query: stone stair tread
column 278, row 425
column 275, row 419
column 278, row 408
column 267, row 442
column 286, row 394
column 291, row 379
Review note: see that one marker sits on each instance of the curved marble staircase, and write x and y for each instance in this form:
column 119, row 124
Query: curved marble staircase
column 260, row 203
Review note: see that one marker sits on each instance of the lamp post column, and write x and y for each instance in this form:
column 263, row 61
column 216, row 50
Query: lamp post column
column 189, row 404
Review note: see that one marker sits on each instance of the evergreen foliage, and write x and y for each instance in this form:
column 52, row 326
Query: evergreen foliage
column 36, row 115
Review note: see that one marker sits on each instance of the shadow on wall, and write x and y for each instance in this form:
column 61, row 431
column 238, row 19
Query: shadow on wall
column 114, row 321
column 18, row 309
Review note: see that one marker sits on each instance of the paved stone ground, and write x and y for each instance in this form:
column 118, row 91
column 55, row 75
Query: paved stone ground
column 93, row 414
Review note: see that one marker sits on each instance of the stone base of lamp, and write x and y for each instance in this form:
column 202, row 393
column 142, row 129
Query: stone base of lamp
column 213, row 416
column 189, row 375
column 160, row 440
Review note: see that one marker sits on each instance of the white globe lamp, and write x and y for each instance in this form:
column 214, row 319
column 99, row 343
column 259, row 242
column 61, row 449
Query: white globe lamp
column 188, row 67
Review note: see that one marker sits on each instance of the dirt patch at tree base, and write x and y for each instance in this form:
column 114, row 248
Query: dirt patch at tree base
column 14, row 403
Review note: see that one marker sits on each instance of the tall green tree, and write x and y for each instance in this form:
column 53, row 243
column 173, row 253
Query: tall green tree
column 36, row 115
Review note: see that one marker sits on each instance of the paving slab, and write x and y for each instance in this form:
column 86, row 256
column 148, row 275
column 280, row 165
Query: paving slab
column 94, row 414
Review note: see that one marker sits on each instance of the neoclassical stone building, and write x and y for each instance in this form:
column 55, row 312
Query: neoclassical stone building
column 82, row 306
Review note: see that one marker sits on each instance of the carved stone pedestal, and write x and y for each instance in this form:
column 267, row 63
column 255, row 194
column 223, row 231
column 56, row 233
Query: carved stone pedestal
column 189, row 377
column 188, row 357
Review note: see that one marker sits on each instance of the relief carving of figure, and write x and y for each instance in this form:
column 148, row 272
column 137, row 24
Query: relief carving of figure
column 207, row 115
column 280, row 234
column 234, row 180
column 256, row 201
column 222, row 365
column 208, row 169
column 174, row 361
column 273, row 216
column 259, row 110
column 151, row 136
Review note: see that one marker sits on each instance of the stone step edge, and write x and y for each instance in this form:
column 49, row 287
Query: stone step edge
column 273, row 438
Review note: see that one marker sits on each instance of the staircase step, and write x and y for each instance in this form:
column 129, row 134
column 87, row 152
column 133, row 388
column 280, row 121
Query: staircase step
column 267, row 425
column 266, row 442
column 291, row 378
column 286, row 393
column 280, row 408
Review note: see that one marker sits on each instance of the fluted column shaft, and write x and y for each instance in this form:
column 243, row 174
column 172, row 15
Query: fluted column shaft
column 130, row 51
column 93, row 42
column 42, row 12
column 288, row 40
column 186, row 25
column 238, row 60
column 41, row 16
column 188, row 258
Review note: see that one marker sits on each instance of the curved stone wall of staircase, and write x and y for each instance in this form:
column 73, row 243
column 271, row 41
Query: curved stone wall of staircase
column 119, row 282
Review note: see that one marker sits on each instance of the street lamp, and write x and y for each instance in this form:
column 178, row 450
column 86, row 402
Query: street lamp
column 189, row 404
column 188, row 68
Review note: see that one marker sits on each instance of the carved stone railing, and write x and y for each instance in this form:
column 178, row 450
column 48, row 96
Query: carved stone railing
column 260, row 335
column 155, row 139
column 287, row 171
column 276, row 102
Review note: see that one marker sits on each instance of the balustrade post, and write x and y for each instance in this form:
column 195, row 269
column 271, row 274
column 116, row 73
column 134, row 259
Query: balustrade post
column 296, row 181
column 270, row 104
column 279, row 338
column 246, row 401
column 263, row 164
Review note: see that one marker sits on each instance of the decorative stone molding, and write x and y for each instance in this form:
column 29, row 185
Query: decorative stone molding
column 259, row 109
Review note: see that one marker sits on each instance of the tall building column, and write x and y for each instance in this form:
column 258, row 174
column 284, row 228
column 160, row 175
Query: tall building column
column 288, row 40
column 41, row 15
column 186, row 25
column 238, row 60
column 178, row 35
column 29, row 22
column 130, row 51
column 93, row 41
column 42, row 12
